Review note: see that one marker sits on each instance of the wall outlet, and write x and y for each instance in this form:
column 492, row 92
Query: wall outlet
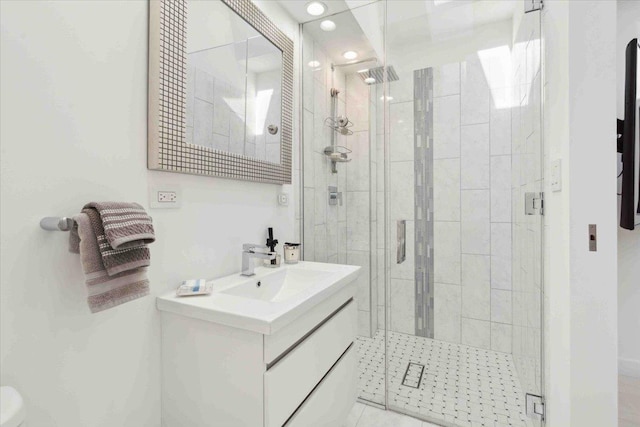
column 165, row 198
column 283, row 199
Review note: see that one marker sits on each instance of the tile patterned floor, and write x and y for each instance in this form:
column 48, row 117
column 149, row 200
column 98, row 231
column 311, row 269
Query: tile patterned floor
column 461, row 385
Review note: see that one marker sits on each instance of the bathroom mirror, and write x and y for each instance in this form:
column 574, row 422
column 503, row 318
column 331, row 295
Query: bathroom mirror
column 220, row 91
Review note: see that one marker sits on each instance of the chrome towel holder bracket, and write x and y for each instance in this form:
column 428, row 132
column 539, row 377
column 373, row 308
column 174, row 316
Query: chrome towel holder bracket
column 56, row 223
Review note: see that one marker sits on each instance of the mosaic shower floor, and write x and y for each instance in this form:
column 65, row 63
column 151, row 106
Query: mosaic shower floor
column 458, row 386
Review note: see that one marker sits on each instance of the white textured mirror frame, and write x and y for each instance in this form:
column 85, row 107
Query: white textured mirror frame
column 167, row 146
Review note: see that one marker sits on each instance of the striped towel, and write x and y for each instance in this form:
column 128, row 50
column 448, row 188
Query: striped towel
column 105, row 290
column 116, row 260
column 112, row 240
column 125, row 224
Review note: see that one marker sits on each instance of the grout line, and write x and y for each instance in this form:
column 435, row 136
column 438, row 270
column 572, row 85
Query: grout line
column 490, row 229
column 460, row 192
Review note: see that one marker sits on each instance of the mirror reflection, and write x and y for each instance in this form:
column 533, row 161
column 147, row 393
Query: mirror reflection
column 233, row 84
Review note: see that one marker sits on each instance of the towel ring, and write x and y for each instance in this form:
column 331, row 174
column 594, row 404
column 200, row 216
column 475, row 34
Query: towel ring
column 56, row 223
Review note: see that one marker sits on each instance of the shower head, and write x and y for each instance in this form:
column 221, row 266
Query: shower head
column 378, row 74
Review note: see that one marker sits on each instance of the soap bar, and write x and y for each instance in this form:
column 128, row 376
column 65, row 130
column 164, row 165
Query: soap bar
column 194, row 287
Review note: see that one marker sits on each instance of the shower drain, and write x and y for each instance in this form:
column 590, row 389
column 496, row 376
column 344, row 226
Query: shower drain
column 413, row 375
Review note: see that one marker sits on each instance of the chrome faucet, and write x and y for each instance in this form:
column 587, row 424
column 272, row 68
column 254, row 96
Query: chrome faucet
column 249, row 252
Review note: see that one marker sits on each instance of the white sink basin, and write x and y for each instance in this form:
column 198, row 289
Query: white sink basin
column 267, row 301
column 279, row 286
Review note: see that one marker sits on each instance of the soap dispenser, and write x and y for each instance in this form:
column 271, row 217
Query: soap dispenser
column 272, row 243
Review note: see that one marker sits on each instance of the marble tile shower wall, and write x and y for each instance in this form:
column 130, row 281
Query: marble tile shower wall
column 267, row 146
column 472, row 201
column 324, row 225
column 210, row 120
column 472, row 242
column 378, row 129
column 401, row 204
column 361, row 196
column 527, row 176
column 216, row 109
column 337, row 233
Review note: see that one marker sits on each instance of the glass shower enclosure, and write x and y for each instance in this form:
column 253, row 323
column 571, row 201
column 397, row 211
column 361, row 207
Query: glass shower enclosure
column 423, row 163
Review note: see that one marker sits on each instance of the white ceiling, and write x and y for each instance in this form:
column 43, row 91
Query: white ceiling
column 298, row 10
column 348, row 34
column 408, row 22
column 418, row 21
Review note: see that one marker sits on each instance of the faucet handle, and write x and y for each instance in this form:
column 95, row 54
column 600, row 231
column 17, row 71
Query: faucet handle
column 249, row 247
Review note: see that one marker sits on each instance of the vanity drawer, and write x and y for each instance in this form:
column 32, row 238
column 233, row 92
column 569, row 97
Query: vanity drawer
column 331, row 402
column 291, row 379
column 277, row 344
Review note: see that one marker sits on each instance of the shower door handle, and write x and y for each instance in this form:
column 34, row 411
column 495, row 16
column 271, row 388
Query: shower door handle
column 401, row 241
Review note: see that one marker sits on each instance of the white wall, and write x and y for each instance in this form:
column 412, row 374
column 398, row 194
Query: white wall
column 628, row 241
column 73, row 129
column 580, row 301
column 593, row 201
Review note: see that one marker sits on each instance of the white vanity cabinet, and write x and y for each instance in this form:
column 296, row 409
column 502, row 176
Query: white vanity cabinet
column 303, row 374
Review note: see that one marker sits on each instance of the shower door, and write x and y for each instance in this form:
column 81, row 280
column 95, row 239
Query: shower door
column 463, row 195
column 528, row 186
column 341, row 206
column 440, row 200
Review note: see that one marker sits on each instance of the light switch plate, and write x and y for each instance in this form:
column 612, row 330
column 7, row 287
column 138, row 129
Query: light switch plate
column 165, row 197
column 556, row 175
column 593, row 238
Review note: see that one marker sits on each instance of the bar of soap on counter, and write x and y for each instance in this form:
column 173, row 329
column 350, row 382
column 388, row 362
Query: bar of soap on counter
column 194, row 287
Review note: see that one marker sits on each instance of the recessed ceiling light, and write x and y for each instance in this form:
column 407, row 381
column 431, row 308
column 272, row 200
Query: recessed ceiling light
column 316, row 8
column 388, row 98
column 350, row 54
column 328, row 25
column 369, row 80
column 365, row 70
column 314, row 64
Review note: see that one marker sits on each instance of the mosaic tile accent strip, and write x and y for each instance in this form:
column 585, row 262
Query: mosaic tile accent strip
column 424, row 206
column 461, row 386
column 167, row 147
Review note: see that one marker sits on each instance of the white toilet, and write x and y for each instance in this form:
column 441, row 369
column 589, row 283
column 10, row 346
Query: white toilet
column 12, row 410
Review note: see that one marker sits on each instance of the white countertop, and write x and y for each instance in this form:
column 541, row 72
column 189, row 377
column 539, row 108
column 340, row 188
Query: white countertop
column 265, row 317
